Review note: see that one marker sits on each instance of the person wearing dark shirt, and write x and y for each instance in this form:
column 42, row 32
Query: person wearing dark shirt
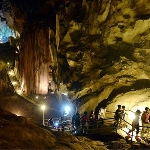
column 91, row 118
column 117, row 117
column 135, row 125
column 76, row 121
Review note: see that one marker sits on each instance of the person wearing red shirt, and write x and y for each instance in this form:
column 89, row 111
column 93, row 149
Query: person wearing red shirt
column 145, row 121
column 84, row 120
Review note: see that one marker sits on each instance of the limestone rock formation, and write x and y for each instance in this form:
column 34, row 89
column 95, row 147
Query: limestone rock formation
column 20, row 133
column 105, row 48
column 98, row 50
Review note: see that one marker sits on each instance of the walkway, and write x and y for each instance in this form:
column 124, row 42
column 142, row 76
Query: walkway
column 98, row 128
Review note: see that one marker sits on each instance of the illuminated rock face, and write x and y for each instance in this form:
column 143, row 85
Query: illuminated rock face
column 102, row 53
column 106, row 48
column 36, row 60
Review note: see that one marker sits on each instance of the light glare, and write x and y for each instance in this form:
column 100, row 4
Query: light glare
column 65, row 93
column 67, row 108
column 43, row 107
column 131, row 115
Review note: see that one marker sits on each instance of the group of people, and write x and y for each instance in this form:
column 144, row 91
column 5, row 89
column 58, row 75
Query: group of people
column 78, row 120
column 86, row 120
column 119, row 116
column 144, row 117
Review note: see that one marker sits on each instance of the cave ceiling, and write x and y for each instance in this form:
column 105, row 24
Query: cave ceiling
column 99, row 51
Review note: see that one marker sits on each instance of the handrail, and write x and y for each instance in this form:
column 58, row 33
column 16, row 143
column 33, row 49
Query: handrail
column 100, row 128
column 133, row 130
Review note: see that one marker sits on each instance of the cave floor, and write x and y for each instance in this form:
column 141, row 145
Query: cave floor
column 114, row 139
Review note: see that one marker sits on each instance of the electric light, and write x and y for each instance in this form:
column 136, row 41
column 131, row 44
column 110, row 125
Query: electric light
column 131, row 115
column 65, row 93
column 36, row 97
column 43, row 107
column 67, row 108
column 56, row 124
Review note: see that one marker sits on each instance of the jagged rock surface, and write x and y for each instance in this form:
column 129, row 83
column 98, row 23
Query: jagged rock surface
column 104, row 47
column 101, row 52
column 20, row 133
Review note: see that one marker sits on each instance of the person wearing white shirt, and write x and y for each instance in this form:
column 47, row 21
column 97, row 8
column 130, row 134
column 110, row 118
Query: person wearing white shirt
column 102, row 113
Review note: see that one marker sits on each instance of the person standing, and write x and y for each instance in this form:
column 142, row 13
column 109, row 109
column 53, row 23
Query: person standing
column 117, row 117
column 145, row 121
column 76, row 122
column 123, row 114
column 50, row 122
column 73, row 121
column 135, row 125
column 92, row 118
column 84, row 120
column 102, row 113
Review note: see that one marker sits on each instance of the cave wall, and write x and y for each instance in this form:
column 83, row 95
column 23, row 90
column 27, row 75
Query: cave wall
column 104, row 52
column 101, row 51
column 36, row 59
